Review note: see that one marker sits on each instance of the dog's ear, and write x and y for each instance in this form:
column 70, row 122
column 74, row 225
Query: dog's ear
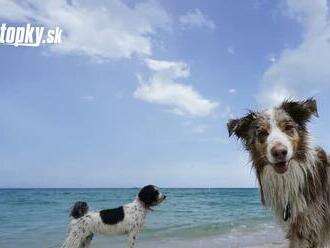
column 240, row 127
column 301, row 111
column 148, row 195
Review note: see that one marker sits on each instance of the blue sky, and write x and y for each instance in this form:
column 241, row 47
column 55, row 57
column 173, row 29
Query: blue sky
column 140, row 92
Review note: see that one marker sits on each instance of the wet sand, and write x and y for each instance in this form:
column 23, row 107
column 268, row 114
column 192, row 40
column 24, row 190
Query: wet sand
column 273, row 245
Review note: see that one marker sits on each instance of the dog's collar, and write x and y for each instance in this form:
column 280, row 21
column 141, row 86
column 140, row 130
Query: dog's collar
column 287, row 212
column 143, row 205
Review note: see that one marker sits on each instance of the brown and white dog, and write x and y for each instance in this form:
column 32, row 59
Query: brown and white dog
column 292, row 175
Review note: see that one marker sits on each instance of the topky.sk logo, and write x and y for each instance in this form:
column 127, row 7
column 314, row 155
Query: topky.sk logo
column 30, row 36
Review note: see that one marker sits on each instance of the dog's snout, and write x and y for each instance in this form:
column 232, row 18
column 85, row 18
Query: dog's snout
column 164, row 197
column 279, row 152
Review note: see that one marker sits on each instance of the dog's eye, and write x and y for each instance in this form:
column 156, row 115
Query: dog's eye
column 262, row 135
column 289, row 127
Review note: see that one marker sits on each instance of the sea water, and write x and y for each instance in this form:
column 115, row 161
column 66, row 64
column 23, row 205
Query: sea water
column 38, row 218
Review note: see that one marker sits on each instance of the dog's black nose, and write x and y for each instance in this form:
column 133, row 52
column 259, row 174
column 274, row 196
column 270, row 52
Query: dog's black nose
column 165, row 197
column 279, row 152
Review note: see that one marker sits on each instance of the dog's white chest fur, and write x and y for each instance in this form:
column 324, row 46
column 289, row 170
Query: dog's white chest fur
column 281, row 190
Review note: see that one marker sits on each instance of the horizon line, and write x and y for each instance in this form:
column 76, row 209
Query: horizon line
column 26, row 188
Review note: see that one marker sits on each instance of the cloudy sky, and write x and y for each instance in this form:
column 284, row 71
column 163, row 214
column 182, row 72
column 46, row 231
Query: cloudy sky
column 140, row 92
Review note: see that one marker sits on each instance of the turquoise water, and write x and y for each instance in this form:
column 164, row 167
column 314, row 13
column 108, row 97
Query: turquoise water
column 37, row 218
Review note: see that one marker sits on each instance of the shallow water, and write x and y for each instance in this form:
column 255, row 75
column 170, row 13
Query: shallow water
column 33, row 218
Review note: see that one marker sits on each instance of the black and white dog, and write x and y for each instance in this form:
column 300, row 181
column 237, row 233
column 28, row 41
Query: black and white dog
column 293, row 175
column 127, row 219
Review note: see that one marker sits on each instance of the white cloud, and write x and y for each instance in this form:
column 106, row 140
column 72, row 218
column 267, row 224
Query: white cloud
column 276, row 95
column 195, row 18
column 271, row 58
column 303, row 69
column 230, row 50
column 168, row 68
column 102, row 30
column 195, row 128
column 87, row 98
column 161, row 88
column 232, row 91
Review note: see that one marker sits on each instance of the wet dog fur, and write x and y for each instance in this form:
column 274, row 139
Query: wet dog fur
column 292, row 174
column 127, row 219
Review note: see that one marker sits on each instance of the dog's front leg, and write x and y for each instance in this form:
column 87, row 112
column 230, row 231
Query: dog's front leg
column 131, row 239
column 87, row 242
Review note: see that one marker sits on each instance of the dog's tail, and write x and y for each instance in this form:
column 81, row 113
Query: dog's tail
column 79, row 209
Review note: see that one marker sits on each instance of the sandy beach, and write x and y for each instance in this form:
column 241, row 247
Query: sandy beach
column 273, row 245
column 204, row 242
column 191, row 244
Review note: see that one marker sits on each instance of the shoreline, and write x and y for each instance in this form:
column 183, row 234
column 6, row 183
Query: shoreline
column 164, row 244
column 220, row 241
column 271, row 245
